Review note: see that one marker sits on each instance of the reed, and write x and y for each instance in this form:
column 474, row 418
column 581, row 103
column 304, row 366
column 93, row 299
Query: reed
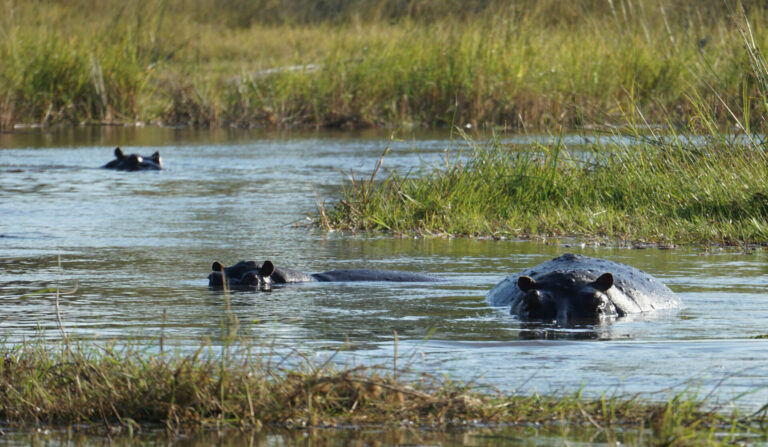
column 353, row 64
column 132, row 388
column 698, row 183
column 242, row 384
column 668, row 190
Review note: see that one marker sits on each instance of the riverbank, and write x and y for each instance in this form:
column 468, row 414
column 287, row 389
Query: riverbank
column 130, row 389
column 483, row 64
column 637, row 190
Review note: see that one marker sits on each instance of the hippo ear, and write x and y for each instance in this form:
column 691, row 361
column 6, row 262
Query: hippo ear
column 217, row 266
column 526, row 283
column 156, row 157
column 267, row 268
column 604, row 282
column 119, row 152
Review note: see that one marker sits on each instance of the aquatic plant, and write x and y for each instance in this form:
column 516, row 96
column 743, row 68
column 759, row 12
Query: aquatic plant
column 130, row 388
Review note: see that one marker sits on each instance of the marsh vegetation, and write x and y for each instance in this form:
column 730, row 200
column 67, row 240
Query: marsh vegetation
column 130, row 389
column 649, row 189
column 681, row 86
column 521, row 65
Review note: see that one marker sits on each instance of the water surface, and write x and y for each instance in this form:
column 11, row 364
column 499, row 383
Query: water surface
column 139, row 246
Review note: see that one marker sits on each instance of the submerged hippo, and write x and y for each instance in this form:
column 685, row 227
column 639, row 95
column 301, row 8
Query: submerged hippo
column 135, row 162
column 579, row 288
column 261, row 275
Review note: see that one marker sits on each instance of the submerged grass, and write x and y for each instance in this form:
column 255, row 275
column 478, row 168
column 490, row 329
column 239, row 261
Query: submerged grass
column 129, row 388
column 349, row 64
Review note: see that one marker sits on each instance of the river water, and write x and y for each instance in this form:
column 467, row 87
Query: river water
column 139, row 247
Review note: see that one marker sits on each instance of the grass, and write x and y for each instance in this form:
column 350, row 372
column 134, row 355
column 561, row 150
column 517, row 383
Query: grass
column 356, row 64
column 671, row 191
column 130, row 388
column 699, row 183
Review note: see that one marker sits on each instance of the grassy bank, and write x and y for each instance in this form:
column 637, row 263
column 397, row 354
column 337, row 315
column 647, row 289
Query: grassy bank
column 695, row 183
column 345, row 64
column 123, row 387
column 701, row 191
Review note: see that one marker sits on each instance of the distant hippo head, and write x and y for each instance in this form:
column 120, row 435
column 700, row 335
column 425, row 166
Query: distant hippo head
column 565, row 297
column 134, row 162
column 244, row 274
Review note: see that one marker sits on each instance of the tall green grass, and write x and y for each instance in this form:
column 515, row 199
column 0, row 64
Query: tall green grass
column 530, row 64
column 694, row 183
column 673, row 192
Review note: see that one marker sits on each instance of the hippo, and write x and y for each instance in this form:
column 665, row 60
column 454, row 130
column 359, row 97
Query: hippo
column 135, row 162
column 574, row 288
column 249, row 275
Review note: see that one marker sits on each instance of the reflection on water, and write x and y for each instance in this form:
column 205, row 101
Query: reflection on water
column 490, row 436
column 140, row 245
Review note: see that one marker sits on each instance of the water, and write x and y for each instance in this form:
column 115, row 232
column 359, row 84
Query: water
column 376, row 436
column 140, row 245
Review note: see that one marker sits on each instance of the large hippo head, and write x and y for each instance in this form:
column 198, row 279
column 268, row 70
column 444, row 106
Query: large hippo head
column 244, row 274
column 573, row 288
column 565, row 297
column 135, row 162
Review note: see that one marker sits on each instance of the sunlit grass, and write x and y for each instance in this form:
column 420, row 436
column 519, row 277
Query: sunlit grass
column 695, row 183
column 542, row 65
column 669, row 190
column 132, row 387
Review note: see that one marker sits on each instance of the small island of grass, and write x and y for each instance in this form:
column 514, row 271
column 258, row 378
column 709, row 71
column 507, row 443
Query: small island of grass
column 668, row 189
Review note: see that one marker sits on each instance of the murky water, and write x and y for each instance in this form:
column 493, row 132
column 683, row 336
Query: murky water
column 138, row 245
column 477, row 436
column 496, row 436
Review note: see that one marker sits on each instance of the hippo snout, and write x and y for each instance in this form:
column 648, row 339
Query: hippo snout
column 254, row 280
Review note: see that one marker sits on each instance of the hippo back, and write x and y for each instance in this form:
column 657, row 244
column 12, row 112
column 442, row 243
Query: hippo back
column 633, row 289
column 282, row 275
column 372, row 275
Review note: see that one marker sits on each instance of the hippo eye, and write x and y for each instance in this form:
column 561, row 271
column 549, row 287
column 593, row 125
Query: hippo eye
column 533, row 300
column 251, row 279
column 526, row 283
